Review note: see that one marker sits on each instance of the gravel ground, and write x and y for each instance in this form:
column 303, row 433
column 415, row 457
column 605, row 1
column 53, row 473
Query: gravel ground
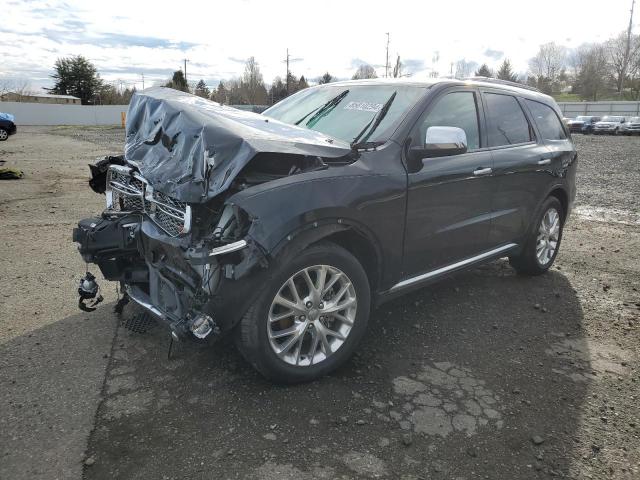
column 484, row 375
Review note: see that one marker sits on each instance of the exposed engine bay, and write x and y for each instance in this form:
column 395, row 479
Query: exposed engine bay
column 171, row 234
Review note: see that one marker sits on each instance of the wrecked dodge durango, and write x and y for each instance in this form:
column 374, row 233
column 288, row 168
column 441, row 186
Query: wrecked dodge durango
column 282, row 230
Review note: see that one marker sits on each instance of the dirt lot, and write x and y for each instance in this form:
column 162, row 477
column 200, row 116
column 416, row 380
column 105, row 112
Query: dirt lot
column 484, row 375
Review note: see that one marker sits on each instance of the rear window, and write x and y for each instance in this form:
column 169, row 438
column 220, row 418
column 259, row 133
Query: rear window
column 507, row 123
column 548, row 122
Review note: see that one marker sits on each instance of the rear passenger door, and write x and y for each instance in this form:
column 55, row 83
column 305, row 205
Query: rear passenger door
column 519, row 162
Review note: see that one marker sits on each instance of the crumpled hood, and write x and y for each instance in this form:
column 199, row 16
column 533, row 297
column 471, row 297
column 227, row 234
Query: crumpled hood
column 192, row 148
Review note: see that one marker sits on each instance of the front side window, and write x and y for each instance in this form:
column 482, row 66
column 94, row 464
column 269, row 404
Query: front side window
column 507, row 123
column 343, row 112
column 547, row 121
column 456, row 109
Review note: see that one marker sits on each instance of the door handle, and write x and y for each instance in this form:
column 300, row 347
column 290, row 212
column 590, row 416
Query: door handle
column 544, row 161
column 482, row 171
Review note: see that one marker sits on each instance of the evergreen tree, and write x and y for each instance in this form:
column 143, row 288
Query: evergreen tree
column 178, row 82
column 505, row 72
column 221, row 94
column 202, row 90
column 302, row 83
column 484, row 71
column 278, row 90
column 76, row 76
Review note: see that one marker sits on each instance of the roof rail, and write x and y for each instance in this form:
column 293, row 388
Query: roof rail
column 503, row 82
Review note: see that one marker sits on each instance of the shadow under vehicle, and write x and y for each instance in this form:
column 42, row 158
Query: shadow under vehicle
column 285, row 228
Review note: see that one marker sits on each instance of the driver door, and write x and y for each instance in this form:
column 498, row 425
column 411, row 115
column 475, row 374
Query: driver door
column 449, row 197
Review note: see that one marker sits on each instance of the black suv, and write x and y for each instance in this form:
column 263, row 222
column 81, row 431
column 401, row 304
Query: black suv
column 285, row 228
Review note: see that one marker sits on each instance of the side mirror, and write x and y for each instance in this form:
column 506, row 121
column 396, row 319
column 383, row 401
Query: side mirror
column 441, row 142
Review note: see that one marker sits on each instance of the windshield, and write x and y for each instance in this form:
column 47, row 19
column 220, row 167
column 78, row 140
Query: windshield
column 343, row 111
column 634, row 119
column 612, row 119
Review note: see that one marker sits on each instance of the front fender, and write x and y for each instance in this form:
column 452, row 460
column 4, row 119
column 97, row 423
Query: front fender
column 371, row 204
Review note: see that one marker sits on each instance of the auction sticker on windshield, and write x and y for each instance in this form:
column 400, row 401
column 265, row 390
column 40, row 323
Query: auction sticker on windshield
column 363, row 106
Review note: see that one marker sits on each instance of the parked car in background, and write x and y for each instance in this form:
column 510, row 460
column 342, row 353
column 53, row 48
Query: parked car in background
column 610, row 124
column 583, row 124
column 631, row 126
column 7, row 126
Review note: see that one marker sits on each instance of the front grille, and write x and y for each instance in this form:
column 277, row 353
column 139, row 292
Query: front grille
column 125, row 193
column 128, row 192
column 168, row 213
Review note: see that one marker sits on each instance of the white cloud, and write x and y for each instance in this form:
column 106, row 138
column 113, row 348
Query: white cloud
column 127, row 38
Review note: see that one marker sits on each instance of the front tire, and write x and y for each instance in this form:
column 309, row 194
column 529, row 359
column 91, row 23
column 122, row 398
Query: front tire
column 543, row 242
column 309, row 318
column 4, row 134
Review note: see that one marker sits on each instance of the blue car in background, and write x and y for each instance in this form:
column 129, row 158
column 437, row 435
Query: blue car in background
column 7, row 126
column 582, row 124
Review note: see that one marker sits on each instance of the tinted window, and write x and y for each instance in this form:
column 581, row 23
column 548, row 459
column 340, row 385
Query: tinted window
column 547, row 121
column 457, row 109
column 507, row 122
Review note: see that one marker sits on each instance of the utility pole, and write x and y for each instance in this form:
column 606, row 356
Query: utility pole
column 142, row 80
column 627, row 50
column 185, row 70
column 386, row 65
column 287, row 60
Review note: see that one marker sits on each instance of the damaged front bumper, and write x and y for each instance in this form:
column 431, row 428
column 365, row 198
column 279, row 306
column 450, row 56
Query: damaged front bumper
column 145, row 240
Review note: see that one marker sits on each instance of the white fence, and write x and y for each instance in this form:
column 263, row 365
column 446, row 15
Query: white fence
column 54, row 114
column 573, row 109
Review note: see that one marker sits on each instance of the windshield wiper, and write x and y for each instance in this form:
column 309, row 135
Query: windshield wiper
column 324, row 109
column 372, row 125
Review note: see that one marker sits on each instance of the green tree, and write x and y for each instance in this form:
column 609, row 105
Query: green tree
column 202, row 90
column 484, row 71
column 302, row 83
column 178, row 82
column 76, row 76
column 326, row 78
column 505, row 72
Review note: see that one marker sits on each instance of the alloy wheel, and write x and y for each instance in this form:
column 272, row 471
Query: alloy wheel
column 3, row 134
column 312, row 315
column 548, row 237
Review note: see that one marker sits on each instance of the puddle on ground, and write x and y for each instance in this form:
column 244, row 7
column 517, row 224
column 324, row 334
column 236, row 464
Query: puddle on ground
column 607, row 215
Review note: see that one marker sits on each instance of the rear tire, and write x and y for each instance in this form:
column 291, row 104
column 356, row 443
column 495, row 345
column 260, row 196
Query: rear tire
column 293, row 349
column 4, row 134
column 543, row 242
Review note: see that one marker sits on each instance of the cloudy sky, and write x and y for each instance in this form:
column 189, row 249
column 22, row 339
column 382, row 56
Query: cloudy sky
column 126, row 39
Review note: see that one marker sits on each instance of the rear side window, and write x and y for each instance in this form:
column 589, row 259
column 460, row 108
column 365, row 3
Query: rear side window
column 507, row 122
column 547, row 121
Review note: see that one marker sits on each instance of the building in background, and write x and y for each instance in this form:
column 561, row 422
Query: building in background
column 40, row 98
